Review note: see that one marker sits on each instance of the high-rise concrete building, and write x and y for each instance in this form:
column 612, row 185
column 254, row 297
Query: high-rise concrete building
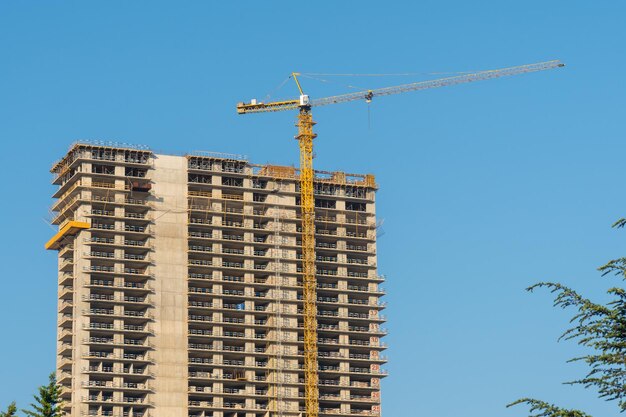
column 180, row 286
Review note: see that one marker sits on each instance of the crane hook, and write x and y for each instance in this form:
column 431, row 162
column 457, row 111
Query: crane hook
column 369, row 96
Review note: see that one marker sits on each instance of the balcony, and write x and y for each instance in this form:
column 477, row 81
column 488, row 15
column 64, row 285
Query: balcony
column 200, row 317
column 200, row 304
column 201, row 235
column 357, row 248
column 357, row 412
column 228, row 264
column 238, row 293
column 200, row 248
column 195, row 389
column 201, row 290
column 232, row 237
column 200, row 404
column 200, row 332
column 199, row 262
column 200, row 361
column 358, row 261
column 107, row 269
column 195, row 193
column 233, row 251
column 200, row 346
column 227, row 196
column 199, row 276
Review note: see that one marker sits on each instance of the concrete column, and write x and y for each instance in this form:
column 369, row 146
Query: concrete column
column 170, row 270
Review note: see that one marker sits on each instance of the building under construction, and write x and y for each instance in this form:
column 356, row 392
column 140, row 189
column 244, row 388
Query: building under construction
column 180, row 286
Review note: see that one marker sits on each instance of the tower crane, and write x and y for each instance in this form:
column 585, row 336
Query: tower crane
column 305, row 138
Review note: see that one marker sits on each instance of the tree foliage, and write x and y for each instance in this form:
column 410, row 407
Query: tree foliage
column 602, row 329
column 48, row 402
column 11, row 411
column 543, row 409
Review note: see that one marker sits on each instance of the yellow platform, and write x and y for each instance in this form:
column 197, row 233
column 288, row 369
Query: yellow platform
column 71, row 228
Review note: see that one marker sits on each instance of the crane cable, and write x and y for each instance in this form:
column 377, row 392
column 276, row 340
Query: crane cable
column 275, row 90
column 356, row 87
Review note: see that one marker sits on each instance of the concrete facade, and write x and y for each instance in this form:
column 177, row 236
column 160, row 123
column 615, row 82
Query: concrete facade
column 170, row 259
column 180, row 287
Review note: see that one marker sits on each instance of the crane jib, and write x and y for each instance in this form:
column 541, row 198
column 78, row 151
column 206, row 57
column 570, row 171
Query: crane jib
column 254, row 107
column 441, row 82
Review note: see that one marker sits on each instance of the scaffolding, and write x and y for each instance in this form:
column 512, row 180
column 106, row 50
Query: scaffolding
column 102, row 151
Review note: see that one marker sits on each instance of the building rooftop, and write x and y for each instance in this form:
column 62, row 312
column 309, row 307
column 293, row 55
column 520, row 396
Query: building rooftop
column 275, row 171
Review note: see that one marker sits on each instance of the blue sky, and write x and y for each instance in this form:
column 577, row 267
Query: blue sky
column 486, row 188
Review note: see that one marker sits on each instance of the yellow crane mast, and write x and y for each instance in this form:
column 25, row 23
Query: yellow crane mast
column 305, row 138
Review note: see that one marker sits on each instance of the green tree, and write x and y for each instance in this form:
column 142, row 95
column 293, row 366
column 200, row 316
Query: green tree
column 48, row 402
column 11, row 411
column 602, row 329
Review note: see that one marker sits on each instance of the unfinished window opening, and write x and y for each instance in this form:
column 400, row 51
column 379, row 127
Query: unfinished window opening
column 198, row 163
column 141, row 186
column 103, row 155
column 354, row 206
column 325, row 203
column 324, row 189
column 199, row 178
column 257, row 183
column 232, row 182
column 233, row 166
column 136, row 157
column 260, row 238
column 135, row 172
column 103, row 169
column 356, row 192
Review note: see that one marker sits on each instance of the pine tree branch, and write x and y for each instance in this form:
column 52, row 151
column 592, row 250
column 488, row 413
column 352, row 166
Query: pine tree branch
column 11, row 411
column 48, row 402
column 620, row 223
column 544, row 409
column 601, row 328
